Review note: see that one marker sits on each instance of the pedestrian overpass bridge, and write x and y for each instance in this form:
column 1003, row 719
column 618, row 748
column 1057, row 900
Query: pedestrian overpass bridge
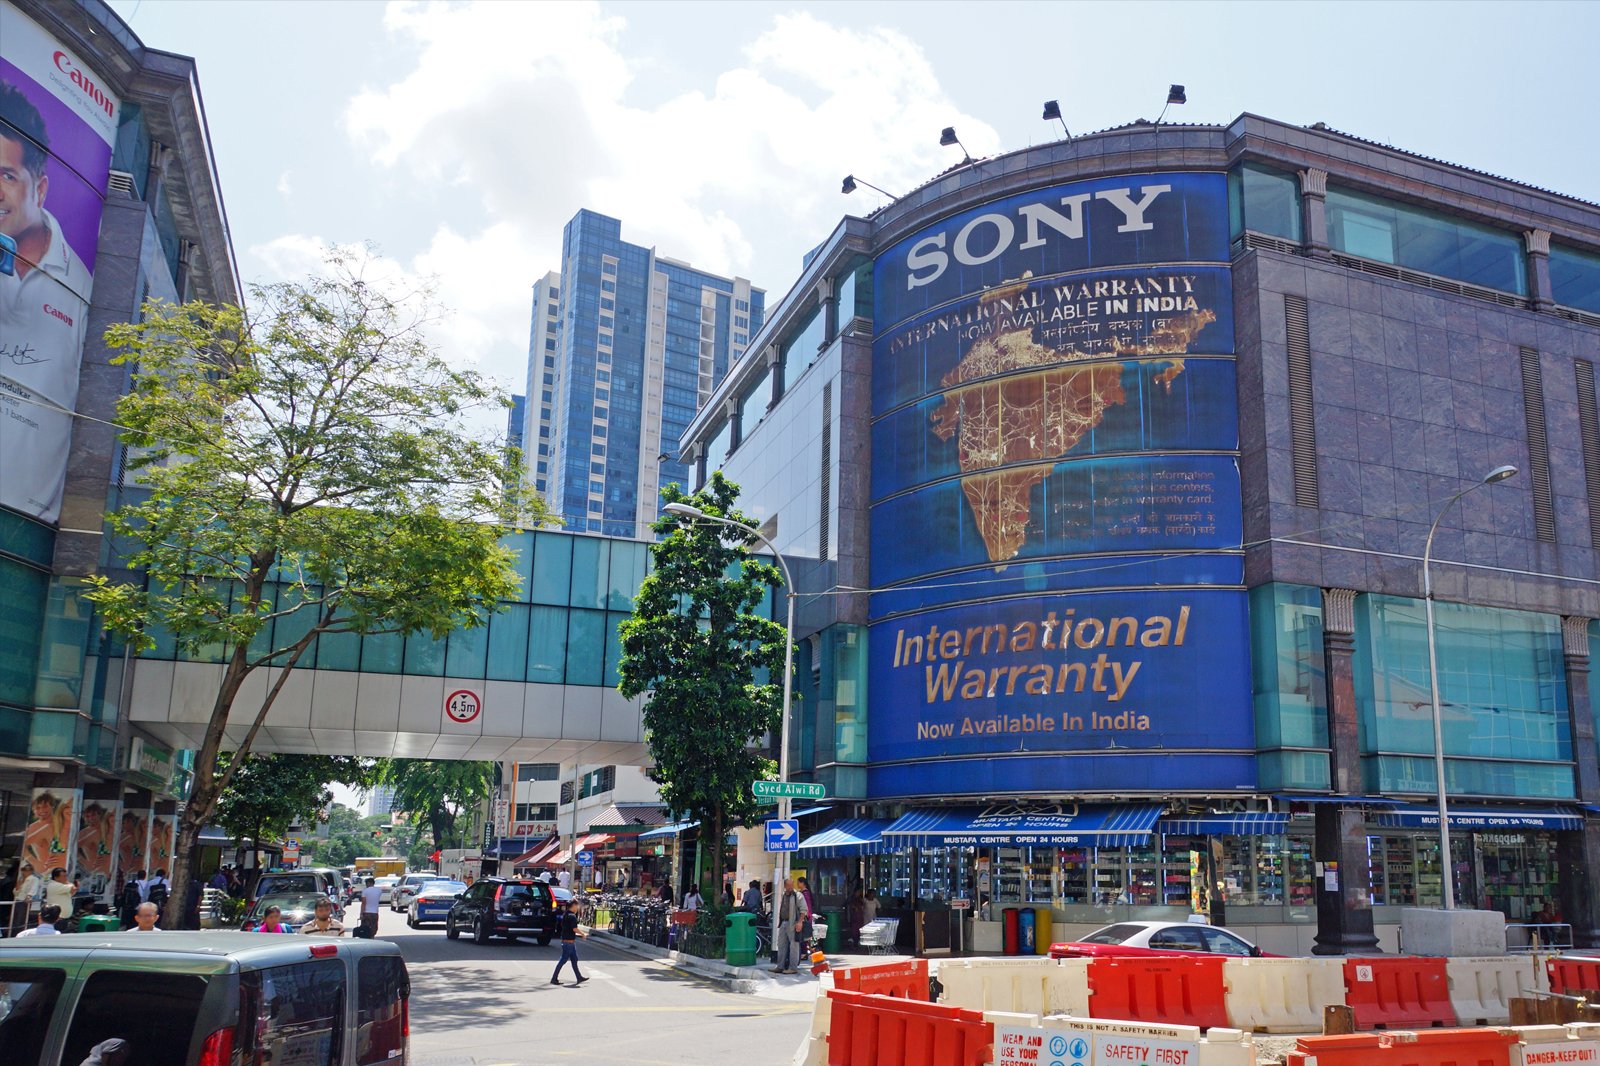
column 536, row 684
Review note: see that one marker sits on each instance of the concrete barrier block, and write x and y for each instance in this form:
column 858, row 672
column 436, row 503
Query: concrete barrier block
column 1281, row 995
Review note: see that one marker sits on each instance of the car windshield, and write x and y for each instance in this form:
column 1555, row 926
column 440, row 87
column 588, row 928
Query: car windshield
column 441, row 888
column 527, row 892
column 287, row 903
column 290, row 883
column 1113, row 934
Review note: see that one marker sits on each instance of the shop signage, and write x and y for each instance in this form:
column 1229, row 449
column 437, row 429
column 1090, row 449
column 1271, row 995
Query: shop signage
column 961, row 904
column 790, row 789
column 585, row 858
column 1021, row 1044
column 1053, row 388
column 149, row 762
column 488, row 836
column 1566, row 1053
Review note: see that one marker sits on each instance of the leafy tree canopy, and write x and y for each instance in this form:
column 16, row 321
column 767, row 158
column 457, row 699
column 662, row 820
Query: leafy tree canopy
column 269, row 793
column 307, row 467
column 695, row 644
column 438, row 791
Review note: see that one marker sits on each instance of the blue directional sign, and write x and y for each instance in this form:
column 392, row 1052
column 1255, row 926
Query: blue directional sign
column 783, row 834
column 585, row 858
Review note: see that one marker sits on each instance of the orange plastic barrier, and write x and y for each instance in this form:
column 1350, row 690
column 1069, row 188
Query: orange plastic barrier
column 1398, row 993
column 1434, row 1047
column 900, row 980
column 879, row 1031
column 1174, row 991
column 1572, row 974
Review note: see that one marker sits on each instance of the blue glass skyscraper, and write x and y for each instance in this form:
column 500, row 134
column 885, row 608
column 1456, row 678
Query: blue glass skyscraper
column 635, row 344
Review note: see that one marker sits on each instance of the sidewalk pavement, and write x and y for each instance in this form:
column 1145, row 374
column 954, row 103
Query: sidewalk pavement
column 756, row 980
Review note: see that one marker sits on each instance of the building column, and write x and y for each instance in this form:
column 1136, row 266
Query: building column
column 1314, row 212
column 1578, row 850
column 1540, row 296
column 775, row 362
column 698, row 458
column 828, row 298
column 736, row 435
column 1343, row 890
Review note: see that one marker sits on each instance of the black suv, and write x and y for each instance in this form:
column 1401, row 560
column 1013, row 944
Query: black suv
column 504, row 906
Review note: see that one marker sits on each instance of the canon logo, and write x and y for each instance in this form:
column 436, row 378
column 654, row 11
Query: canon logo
column 57, row 313
column 81, row 79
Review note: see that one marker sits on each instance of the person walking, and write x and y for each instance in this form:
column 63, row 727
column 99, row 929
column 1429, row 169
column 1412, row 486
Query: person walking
column 753, row 901
column 157, row 889
column 568, row 931
column 371, row 896
column 144, row 919
column 691, row 899
column 793, row 917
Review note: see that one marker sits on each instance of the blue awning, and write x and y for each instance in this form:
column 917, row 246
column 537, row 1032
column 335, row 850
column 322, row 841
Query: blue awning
column 1477, row 816
column 1097, row 824
column 1244, row 823
column 808, row 810
column 852, row 836
column 668, row 830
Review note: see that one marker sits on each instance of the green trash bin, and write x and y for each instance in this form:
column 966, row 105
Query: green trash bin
column 99, row 923
column 833, row 942
column 741, row 939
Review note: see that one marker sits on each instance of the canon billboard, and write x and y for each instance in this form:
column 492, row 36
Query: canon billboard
column 57, row 126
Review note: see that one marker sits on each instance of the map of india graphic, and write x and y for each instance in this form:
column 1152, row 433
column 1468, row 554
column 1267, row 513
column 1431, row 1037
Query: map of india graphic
column 1012, row 400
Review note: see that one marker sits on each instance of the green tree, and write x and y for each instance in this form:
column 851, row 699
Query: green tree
column 352, row 835
column 695, row 643
column 309, row 467
column 438, row 792
column 269, row 793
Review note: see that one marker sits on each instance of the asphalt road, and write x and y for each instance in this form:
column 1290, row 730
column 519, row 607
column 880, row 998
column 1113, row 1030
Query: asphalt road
column 493, row 1005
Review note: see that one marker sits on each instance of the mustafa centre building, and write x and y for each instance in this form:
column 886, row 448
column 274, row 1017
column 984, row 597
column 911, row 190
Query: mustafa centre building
column 1107, row 469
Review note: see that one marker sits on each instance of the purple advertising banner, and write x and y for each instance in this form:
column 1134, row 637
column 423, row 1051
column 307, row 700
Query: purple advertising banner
column 58, row 123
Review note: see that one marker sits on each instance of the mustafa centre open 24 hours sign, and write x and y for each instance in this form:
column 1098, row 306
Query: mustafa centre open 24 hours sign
column 1056, row 511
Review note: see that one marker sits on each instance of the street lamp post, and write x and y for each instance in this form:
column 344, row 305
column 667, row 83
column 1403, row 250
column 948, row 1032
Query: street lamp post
column 1446, row 866
column 781, row 865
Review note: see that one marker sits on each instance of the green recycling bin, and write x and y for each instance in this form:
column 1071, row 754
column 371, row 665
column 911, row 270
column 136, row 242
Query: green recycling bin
column 741, row 939
column 98, row 923
column 833, row 941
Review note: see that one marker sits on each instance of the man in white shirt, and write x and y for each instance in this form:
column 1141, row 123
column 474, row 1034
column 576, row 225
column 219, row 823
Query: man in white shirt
column 44, row 291
column 370, row 897
column 564, row 878
column 144, row 919
column 48, row 917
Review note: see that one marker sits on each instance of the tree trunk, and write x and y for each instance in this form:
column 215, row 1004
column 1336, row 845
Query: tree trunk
column 713, row 891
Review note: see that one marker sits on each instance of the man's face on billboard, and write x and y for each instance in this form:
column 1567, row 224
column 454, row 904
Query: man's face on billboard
column 22, row 193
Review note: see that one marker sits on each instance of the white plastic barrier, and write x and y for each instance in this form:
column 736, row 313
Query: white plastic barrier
column 1118, row 1043
column 813, row 1050
column 1556, row 1045
column 1024, row 985
column 1481, row 989
column 1281, row 995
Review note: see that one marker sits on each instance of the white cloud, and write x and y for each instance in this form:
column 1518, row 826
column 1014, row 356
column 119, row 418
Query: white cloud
column 284, row 187
column 534, row 111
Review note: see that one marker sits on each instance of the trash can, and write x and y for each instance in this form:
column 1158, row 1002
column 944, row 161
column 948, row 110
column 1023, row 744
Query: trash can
column 1010, row 926
column 1025, row 932
column 98, row 923
column 833, row 941
column 1043, row 930
column 741, row 939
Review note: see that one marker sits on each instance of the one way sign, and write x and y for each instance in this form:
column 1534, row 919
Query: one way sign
column 783, row 834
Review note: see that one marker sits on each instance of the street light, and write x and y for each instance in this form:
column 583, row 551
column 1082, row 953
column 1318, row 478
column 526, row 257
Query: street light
column 1446, row 867
column 781, row 874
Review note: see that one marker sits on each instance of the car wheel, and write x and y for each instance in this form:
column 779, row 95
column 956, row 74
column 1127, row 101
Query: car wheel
column 544, row 941
column 481, row 933
column 411, row 920
column 450, row 930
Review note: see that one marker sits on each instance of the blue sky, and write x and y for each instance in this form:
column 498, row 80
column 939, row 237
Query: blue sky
column 459, row 138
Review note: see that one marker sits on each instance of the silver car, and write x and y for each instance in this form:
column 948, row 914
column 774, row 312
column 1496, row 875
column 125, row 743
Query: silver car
column 406, row 887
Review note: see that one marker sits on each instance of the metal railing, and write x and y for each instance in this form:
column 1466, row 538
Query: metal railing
column 1528, row 937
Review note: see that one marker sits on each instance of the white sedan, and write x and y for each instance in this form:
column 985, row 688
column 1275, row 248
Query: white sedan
column 1135, row 939
column 400, row 895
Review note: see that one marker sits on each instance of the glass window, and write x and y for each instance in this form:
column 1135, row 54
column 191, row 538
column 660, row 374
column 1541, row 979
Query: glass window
column 467, row 652
column 381, row 1009
column 1502, row 688
column 1575, row 278
column 1413, row 237
column 23, row 591
column 717, row 449
column 586, row 645
column 552, row 568
column 27, row 1003
column 627, row 573
column 424, row 655
column 381, row 652
column 591, row 563
column 1287, row 661
column 154, row 1012
column 297, row 1012
column 613, row 648
column 854, row 289
column 1265, row 201
column 1178, row 938
column 547, row 645
column 801, row 347
column 753, row 402
column 1221, row 943
column 508, row 644
column 522, row 543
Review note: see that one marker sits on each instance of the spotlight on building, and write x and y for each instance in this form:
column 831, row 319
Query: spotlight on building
column 1052, row 112
column 947, row 137
column 1174, row 96
column 851, row 181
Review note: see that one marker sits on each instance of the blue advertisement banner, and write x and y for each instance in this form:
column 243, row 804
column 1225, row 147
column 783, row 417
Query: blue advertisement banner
column 1132, row 671
column 1120, row 221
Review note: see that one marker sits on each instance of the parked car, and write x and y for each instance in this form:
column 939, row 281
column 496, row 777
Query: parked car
column 407, row 887
column 297, row 907
column 1156, row 938
column 504, row 906
column 384, row 885
column 198, row 999
column 293, row 882
column 433, row 901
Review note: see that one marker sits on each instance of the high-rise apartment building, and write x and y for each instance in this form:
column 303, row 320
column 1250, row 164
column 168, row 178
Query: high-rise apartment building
column 624, row 346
